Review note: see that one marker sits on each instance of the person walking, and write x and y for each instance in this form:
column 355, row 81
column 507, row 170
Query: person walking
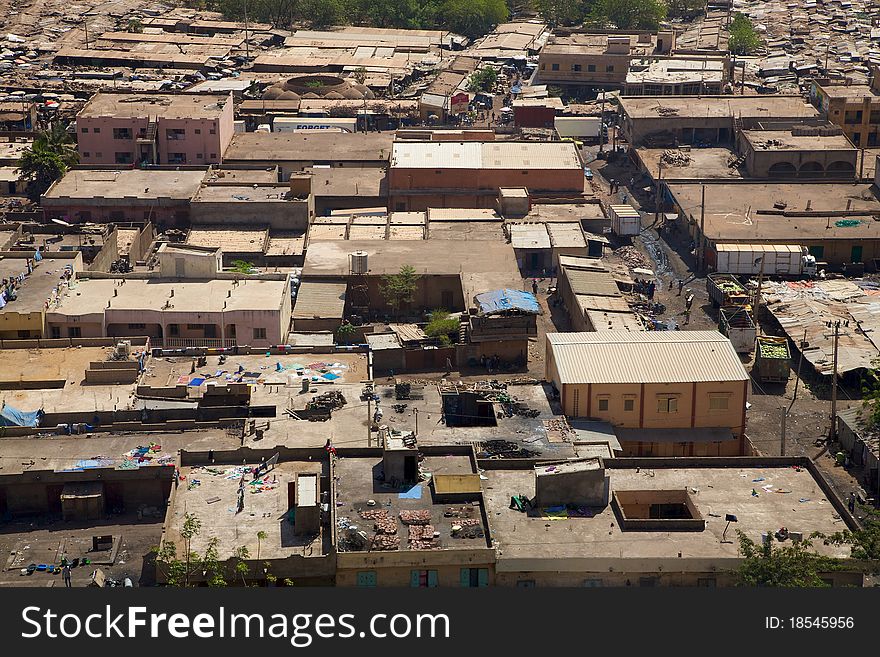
column 65, row 575
column 448, row 365
column 534, row 287
column 680, row 286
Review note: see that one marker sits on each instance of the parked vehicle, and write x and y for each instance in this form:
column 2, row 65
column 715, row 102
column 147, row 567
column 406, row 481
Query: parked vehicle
column 788, row 260
column 726, row 290
column 737, row 324
column 625, row 220
column 772, row 359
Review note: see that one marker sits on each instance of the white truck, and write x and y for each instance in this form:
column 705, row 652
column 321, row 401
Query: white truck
column 578, row 127
column 787, row 260
column 310, row 124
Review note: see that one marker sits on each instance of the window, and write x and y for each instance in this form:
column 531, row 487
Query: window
column 554, row 67
column 27, row 334
column 199, row 156
column 708, row 582
column 74, row 332
column 86, row 154
column 817, row 251
column 667, row 405
column 99, row 155
column 603, row 403
column 366, row 578
column 137, row 327
column 525, row 583
column 173, row 330
column 629, row 404
column 423, row 579
column 575, row 67
column 123, row 158
column 212, row 131
column 198, row 131
column 55, row 332
column 592, row 583
column 577, row 402
column 96, row 129
column 195, row 327
column 121, row 133
column 213, row 156
column 176, row 158
column 591, row 68
column 259, row 334
column 609, row 68
column 84, row 130
column 718, row 402
column 474, row 577
column 175, row 134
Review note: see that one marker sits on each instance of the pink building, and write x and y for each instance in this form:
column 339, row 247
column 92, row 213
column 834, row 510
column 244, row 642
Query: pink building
column 146, row 128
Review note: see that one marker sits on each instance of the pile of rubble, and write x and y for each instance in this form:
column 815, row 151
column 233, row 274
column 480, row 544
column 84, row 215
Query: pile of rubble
column 633, row 257
column 675, row 158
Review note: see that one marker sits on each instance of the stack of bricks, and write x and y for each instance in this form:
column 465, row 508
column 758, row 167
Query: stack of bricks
column 421, row 517
column 421, row 537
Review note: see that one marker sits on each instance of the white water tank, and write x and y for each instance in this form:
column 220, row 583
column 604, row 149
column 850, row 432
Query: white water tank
column 359, row 262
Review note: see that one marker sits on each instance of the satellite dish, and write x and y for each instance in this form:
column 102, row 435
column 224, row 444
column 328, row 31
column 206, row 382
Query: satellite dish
column 62, row 222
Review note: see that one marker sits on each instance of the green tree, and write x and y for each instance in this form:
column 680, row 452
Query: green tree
column 48, row 159
column 472, row 18
column 744, row 39
column 261, row 536
column 242, row 267
column 134, row 26
column 561, row 12
column 792, row 566
column 345, row 332
column 399, row 289
column 242, row 554
column 179, row 572
column 441, row 325
column 323, row 13
column 685, row 8
column 482, row 80
column 629, row 14
column 865, row 542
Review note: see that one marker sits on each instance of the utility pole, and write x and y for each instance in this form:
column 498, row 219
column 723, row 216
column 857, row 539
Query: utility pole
column 657, row 192
column 247, row 46
column 797, row 381
column 701, row 247
column 602, row 124
column 832, row 434
column 742, row 79
column 782, row 445
column 86, row 26
column 758, row 294
column 369, row 420
column 416, row 411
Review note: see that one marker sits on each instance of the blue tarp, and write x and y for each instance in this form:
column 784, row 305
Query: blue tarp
column 12, row 417
column 501, row 301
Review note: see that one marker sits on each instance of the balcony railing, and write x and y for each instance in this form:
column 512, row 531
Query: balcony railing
column 211, row 343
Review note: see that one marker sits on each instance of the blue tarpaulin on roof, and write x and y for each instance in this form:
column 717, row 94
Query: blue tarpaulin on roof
column 502, row 301
column 12, row 417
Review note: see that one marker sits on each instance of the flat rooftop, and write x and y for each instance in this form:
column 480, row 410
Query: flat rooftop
column 167, row 106
column 231, row 239
column 695, row 164
column 734, row 211
column 784, row 140
column 91, row 296
column 483, row 265
column 339, row 181
column 244, row 176
column 309, row 147
column 106, row 450
column 786, row 497
column 709, row 107
column 357, row 483
column 484, row 155
column 677, row 70
column 214, row 501
column 244, row 193
column 96, row 185
column 593, row 44
column 854, row 91
column 36, row 288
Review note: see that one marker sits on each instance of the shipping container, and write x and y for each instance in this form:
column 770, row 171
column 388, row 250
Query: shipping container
column 625, row 220
column 737, row 324
column 772, row 358
column 726, row 290
column 788, row 260
column 584, row 127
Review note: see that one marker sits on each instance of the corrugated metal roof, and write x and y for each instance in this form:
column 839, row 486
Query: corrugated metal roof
column 566, row 235
column 645, row 357
column 408, row 332
column 320, row 300
column 585, row 281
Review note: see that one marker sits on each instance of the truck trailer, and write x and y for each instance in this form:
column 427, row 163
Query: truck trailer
column 786, row 260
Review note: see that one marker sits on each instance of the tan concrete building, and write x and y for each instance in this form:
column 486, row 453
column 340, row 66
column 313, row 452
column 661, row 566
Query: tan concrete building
column 802, row 152
column 603, row 59
column 666, row 393
column 854, row 107
column 677, row 76
column 470, row 174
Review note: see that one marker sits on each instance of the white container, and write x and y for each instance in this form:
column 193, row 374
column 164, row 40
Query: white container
column 752, row 259
column 359, row 262
column 625, row 220
column 578, row 126
column 305, row 124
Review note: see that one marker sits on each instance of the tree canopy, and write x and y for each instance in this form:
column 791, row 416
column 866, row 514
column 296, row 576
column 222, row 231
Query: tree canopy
column 399, row 289
column 795, row 565
column 628, row 14
column 48, row 159
column 482, row 80
column 744, row 39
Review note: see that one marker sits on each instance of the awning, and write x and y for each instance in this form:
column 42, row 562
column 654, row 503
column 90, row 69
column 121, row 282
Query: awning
column 698, row 435
column 507, row 300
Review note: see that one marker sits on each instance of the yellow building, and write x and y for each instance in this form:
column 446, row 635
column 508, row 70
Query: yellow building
column 666, row 393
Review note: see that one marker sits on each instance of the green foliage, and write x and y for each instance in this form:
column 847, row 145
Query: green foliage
column 472, row 18
column 483, row 79
column 628, row 14
column 685, row 8
column 399, row 289
column 134, row 26
column 864, row 543
column 313, row 84
column 48, row 159
column 744, row 39
column 345, row 332
column 441, row 325
column 561, row 12
column 792, row 566
column 241, row 568
column 360, row 75
column 179, row 572
column 242, row 266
